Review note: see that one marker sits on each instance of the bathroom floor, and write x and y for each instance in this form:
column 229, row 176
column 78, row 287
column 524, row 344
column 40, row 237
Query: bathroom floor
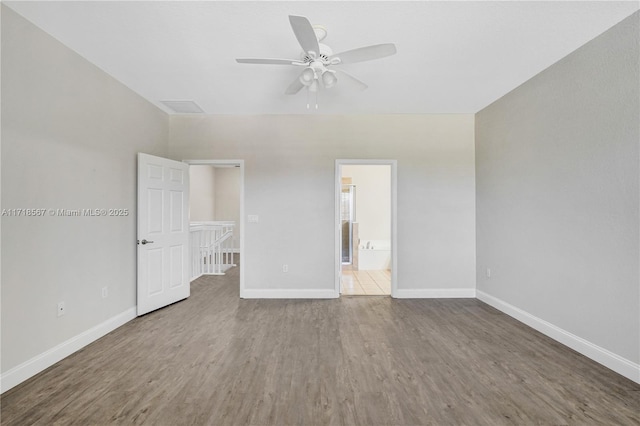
column 366, row 283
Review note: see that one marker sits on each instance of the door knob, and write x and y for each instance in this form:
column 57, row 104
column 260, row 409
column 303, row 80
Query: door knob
column 146, row 242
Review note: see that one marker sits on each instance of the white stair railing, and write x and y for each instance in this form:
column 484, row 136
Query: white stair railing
column 212, row 248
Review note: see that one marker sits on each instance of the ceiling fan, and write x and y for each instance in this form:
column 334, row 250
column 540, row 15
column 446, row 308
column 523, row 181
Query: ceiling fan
column 317, row 59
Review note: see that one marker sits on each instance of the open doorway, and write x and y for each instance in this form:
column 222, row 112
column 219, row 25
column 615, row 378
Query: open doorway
column 365, row 219
column 216, row 208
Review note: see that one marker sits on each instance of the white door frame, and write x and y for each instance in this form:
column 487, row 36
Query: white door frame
column 394, row 216
column 240, row 163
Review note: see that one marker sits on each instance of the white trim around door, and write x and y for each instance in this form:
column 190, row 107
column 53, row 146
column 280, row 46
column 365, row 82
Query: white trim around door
column 232, row 163
column 394, row 217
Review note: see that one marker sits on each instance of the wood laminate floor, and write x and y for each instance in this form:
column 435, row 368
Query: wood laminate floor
column 214, row 359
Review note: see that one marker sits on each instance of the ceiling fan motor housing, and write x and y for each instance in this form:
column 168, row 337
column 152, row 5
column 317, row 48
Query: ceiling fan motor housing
column 325, row 54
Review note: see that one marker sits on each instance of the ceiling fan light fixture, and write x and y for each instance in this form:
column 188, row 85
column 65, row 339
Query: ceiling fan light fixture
column 308, row 76
column 329, row 79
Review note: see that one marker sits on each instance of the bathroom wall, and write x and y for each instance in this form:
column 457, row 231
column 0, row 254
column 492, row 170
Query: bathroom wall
column 373, row 200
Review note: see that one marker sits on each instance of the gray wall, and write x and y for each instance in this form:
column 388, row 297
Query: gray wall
column 202, row 193
column 290, row 184
column 227, row 196
column 557, row 173
column 70, row 134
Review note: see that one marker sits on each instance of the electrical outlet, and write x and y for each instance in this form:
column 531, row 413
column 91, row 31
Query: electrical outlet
column 488, row 272
column 61, row 309
column 253, row 218
column 285, row 268
column 105, row 292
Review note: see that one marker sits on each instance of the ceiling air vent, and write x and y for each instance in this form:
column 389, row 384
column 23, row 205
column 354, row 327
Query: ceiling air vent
column 183, row 107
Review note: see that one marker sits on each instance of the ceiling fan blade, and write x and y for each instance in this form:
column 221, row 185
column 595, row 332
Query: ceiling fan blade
column 343, row 76
column 268, row 61
column 366, row 53
column 295, row 86
column 304, row 33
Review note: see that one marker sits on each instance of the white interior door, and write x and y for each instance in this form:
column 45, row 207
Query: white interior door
column 163, row 232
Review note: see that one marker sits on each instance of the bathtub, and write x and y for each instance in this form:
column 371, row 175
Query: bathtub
column 374, row 255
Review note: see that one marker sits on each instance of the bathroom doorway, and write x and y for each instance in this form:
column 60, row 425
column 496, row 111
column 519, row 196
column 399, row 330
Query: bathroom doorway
column 365, row 216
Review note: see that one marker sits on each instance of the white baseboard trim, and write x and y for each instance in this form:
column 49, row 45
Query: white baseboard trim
column 435, row 293
column 280, row 293
column 601, row 355
column 38, row 363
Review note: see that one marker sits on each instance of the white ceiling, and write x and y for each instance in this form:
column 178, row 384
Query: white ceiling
column 453, row 57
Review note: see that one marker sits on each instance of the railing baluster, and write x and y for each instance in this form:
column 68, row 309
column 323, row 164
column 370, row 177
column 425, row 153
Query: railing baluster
column 211, row 249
